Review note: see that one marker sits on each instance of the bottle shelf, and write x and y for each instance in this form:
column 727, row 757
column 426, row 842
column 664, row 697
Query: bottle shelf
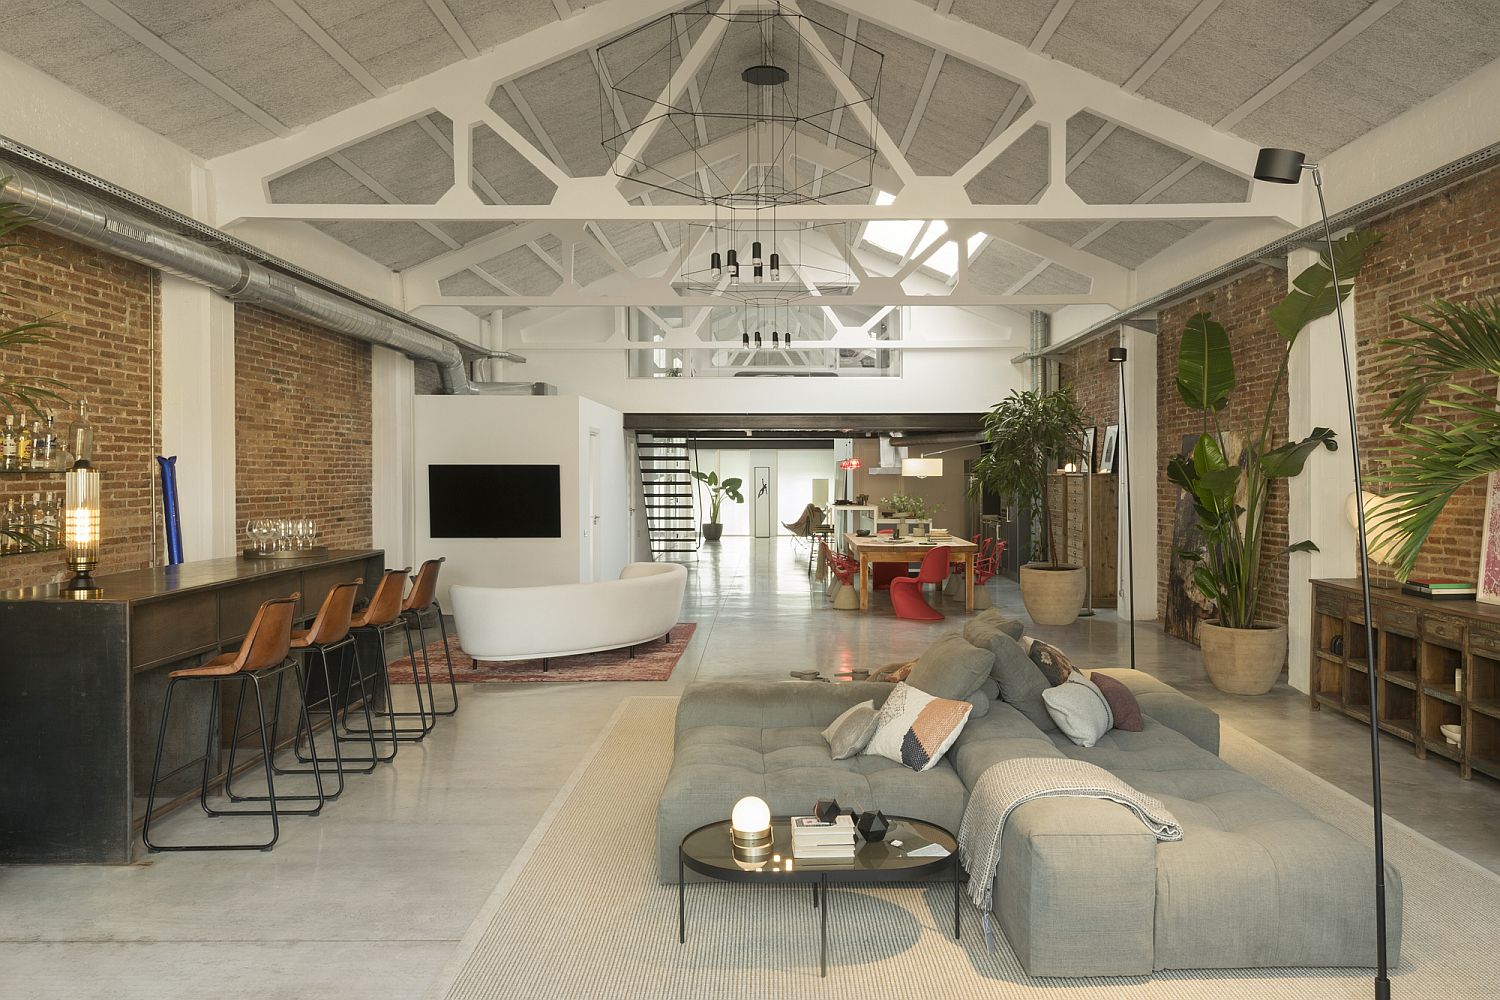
column 31, row 551
column 31, row 472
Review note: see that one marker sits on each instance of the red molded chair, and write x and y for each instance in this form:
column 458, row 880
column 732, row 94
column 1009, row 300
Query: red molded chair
column 985, row 569
column 906, row 592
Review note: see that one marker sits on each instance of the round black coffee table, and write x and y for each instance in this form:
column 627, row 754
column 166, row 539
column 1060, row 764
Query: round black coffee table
column 707, row 851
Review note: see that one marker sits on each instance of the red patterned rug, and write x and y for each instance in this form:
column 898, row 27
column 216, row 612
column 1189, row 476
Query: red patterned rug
column 653, row 661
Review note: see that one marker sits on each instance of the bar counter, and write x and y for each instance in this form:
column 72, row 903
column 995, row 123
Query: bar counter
column 81, row 687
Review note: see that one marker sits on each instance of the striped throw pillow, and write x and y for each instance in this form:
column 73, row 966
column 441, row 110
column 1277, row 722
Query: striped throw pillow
column 916, row 729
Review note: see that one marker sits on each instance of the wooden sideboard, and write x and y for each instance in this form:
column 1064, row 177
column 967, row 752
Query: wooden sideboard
column 1436, row 663
column 81, row 688
column 1069, row 503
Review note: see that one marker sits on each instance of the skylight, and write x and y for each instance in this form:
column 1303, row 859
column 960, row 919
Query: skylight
column 897, row 236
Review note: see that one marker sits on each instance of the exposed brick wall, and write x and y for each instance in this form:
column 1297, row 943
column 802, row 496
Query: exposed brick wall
column 1241, row 307
column 302, row 426
column 105, row 350
column 1446, row 246
column 1095, row 383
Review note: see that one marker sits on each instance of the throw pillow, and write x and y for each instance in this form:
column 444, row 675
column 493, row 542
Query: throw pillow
column 1079, row 709
column 850, row 733
column 1053, row 661
column 894, row 672
column 1122, row 704
column 951, row 668
column 987, row 624
column 916, row 729
column 991, row 687
column 981, row 703
column 1021, row 682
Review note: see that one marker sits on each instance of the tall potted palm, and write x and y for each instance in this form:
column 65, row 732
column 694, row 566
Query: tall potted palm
column 1241, row 653
column 713, row 528
column 1446, row 419
column 1029, row 434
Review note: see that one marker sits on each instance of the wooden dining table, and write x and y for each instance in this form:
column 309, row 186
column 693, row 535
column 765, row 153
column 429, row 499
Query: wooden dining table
column 873, row 549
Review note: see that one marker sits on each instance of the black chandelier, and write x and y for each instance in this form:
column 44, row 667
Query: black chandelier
column 759, row 260
column 740, row 108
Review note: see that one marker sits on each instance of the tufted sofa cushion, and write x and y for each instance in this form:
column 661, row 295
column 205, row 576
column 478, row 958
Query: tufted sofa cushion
column 790, row 768
column 1256, row 879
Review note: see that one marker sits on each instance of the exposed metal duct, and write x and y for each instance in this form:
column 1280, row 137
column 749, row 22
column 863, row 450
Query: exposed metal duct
column 1041, row 337
column 67, row 210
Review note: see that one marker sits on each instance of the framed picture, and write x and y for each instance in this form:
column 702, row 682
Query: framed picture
column 1088, row 449
column 1489, row 550
column 1111, row 447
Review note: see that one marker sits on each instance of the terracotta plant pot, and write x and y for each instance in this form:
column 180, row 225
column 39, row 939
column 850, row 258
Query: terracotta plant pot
column 1243, row 660
column 1053, row 596
column 712, row 531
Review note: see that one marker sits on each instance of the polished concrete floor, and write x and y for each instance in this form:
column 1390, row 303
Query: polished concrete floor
column 371, row 898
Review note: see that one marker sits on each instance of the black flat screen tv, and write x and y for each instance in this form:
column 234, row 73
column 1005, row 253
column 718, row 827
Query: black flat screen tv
column 494, row 501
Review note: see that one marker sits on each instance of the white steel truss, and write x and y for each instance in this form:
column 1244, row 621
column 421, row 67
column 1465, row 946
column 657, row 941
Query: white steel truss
column 461, row 93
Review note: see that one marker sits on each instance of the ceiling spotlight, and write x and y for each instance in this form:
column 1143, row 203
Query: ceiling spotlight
column 775, row 267
column 755, row 252
column 1117, row 354
column 745, row 340
column 757, row 340
column 716, row 264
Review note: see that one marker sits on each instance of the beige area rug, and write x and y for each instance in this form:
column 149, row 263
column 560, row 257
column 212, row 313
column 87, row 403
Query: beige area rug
column 580, row 914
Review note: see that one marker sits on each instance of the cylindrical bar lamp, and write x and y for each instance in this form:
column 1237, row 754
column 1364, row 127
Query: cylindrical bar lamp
column 81, row 529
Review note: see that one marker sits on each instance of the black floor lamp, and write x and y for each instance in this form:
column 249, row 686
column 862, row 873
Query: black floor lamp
column 1117, row 356
column 1285, row 166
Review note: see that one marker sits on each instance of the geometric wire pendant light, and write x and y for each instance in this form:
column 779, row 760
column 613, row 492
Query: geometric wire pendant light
column 744, row 109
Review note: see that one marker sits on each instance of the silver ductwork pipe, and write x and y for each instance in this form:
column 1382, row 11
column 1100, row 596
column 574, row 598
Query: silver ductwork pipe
column 70, row 212
column 1041, row 337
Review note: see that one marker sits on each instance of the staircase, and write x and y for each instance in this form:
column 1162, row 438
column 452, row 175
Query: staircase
column 667, row 489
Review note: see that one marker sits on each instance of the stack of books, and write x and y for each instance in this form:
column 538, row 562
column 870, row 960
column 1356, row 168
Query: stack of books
column 1437, row 588
column 814, row 840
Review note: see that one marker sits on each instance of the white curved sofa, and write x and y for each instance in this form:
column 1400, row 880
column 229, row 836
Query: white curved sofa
column 523, row 623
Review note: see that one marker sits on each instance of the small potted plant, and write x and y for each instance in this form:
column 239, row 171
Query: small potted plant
column 713, row 529
column 1241, row 653
column 1029, row 434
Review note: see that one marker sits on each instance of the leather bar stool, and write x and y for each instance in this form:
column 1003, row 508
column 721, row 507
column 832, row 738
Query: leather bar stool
column 328, row 632
column 381, row 616
column 420, row 602
column 262, row 654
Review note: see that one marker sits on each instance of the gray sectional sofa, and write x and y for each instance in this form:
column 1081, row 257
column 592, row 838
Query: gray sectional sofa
column 1083, row 889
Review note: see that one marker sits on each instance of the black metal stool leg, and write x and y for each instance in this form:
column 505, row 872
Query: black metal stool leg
column 404, row 734
column 268, row 748
column 161, row 741
column 351, row 736
column 447, row 652
column 338, row 757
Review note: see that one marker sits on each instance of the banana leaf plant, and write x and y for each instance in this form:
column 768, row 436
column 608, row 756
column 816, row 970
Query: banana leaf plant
column 1231, row 496
column 717, row 491
column 1446, row 419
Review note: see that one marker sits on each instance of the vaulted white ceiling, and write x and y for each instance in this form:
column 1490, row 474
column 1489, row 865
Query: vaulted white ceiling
column 1056, row 143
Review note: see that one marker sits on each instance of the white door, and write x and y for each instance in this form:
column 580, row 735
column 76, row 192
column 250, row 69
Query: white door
column 591, row 521
column 763, row 501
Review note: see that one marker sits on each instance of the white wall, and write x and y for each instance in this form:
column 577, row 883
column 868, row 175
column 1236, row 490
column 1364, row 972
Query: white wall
column 796, row 468
column 542, row 430
column 610, row 537
column 963, row 379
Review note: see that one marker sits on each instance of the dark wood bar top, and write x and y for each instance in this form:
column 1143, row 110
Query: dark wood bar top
column 144, row 585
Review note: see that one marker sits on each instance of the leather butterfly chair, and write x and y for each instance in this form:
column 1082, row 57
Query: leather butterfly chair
column 328, row 632
column 262, row 654
column 381, row 616
column 423, row 601
column 906, row 591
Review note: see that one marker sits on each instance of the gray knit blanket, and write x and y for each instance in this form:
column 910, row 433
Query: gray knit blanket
column 1011, row 783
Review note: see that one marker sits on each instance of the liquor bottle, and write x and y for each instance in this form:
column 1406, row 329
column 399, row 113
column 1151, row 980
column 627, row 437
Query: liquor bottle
column 8, row 444
column 49, row 521
column 81, row 436
column 43, row 445
column 23, row 446
column 11, row 543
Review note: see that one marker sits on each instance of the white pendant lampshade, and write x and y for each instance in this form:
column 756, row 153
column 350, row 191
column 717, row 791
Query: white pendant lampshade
column 921, row 468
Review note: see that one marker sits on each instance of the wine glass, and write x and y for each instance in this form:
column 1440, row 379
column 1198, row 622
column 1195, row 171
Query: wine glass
column 312, row 533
